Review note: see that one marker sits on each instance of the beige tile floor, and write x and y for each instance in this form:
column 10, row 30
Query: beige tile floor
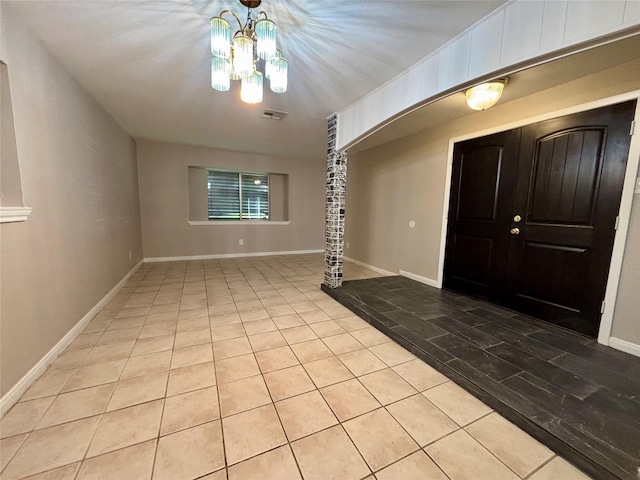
column 244, row 369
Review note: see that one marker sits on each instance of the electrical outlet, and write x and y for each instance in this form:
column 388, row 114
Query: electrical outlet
column 347, row 244
column 129, row 254
column 240, row 241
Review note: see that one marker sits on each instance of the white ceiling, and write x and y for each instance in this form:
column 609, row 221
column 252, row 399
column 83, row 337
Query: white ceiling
column 147, row 62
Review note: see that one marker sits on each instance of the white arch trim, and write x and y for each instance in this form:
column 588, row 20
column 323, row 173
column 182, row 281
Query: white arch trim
column 519, row 34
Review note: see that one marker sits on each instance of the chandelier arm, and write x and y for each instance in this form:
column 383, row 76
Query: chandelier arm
column 262, row 12
column 234, row 16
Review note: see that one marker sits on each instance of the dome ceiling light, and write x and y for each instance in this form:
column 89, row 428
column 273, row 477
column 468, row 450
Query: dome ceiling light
column 485, row 95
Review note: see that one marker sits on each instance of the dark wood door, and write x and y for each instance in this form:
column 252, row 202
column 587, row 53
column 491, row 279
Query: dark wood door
column 568, row 188
column 484, row 172
column 544, row 246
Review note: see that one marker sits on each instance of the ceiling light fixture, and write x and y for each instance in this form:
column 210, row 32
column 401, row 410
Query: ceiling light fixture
column 237, row 57
column 485, row 95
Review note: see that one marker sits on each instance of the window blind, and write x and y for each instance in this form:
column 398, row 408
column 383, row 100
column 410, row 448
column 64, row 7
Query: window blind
column 224, row 199
column 237, row 196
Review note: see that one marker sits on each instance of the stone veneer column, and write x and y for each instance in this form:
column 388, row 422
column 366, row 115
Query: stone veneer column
column 334, row 218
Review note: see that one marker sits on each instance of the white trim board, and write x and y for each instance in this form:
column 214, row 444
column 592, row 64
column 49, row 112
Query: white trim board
column 420, row 278
column 624, row 346
column 370, row 267
column 617, row 255
column 13, row 395
column 14, row 214
column 228, row 255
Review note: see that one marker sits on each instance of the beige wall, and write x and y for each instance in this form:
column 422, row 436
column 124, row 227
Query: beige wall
column 404, row 180
column 164, row 202
column 278, row 197
column 78, row 170
column 198, row 194
column 10, row 184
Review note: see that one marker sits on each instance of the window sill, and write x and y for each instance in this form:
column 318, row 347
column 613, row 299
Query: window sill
column 239, row 222
column 14, row 214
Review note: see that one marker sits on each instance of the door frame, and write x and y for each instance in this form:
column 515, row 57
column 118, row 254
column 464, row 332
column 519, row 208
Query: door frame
column 617, row 255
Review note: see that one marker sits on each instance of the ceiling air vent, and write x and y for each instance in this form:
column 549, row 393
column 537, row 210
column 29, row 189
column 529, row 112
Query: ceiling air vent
column 274, row 114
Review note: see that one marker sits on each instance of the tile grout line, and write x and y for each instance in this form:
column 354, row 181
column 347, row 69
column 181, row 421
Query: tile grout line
column 157, row 439
column 217, row 385
column 486, row 447
column 93, row 436
column 164, row 400
column 224, row 447
column 540, row 467
column 101, row 416
column 288, row 442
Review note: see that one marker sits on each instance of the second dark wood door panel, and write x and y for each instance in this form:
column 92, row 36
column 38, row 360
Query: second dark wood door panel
column 532, row 214
column 568, row 188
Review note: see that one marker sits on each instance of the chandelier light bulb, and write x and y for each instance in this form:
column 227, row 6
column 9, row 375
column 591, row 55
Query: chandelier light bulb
column 279, row 72
column 220, row 78
column 266, row 39
column 243, row 56
column 220, row 37
column 268, row 66
column 251, row 88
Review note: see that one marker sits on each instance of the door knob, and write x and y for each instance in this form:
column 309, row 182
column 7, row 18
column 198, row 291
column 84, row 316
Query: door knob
column 517, row 218
column 515, row 231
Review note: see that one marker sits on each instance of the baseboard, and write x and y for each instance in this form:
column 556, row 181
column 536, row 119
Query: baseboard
column 624, row 346
column 12, row 396
column 419, row 278
column 228, row 255
column 370, row 267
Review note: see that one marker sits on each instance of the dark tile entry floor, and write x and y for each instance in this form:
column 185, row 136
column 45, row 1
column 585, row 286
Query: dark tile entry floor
column 579, row 398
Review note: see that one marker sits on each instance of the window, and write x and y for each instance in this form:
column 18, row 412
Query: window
column 237, row 195
column 218, row 196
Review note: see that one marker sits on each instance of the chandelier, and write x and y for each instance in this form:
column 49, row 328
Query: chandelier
column 238, row 57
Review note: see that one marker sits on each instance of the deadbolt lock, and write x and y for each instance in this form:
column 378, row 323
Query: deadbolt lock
column 515, row 231
column 517, row 218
